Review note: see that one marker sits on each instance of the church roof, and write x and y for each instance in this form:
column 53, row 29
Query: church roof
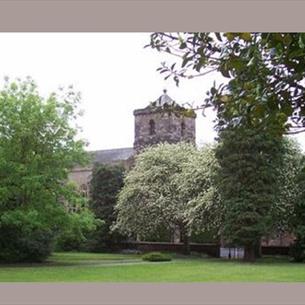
column 158, row 105
column 164, row 99
column 112, row 155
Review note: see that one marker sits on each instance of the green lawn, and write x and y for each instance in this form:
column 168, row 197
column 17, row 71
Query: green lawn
column 91, row 267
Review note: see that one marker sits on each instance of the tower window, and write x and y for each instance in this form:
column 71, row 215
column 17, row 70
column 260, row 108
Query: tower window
column 182, row 129
column 152, row 127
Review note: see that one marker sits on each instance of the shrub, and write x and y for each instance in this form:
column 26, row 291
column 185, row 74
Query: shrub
column 78, row 227
column 23, row 238
column 156, row 257
column 297, row 252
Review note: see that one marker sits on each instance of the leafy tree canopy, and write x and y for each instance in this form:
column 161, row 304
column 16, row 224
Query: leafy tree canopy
column 264, row 71
column 38, row 147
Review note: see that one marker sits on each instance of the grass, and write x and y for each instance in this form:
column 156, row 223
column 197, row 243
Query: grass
column 101, row 267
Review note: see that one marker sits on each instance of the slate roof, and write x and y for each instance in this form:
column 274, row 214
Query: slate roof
column 112, row 155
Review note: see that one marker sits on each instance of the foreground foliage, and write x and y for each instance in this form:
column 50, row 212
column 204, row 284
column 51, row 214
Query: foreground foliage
column 263, row 75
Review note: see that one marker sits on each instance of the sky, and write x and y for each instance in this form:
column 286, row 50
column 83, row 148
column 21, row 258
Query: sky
column 114, row 73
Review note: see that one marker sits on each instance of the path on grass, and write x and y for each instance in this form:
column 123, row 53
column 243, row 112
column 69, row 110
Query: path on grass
column 105, row 263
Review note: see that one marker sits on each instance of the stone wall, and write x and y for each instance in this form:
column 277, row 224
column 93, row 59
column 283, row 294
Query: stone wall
column 152, row 127
column 284, row 239
column 207, row 248
column 81, row 177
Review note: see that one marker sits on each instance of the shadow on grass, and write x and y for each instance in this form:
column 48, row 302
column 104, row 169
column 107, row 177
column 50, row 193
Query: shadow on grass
column 84, row 259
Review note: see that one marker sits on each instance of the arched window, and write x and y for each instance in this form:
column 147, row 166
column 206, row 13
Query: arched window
column 152, row 127
column 182, row 129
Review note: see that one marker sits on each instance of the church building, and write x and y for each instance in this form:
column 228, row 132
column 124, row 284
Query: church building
column 162, row 121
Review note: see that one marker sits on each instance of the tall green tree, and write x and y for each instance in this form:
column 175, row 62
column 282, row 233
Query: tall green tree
column 298, row 215
column 256, row 181
column 160, row 191
column 106, row 182
column 38, row 147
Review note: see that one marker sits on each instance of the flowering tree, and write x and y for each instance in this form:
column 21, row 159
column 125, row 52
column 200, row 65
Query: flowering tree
column 166, row 184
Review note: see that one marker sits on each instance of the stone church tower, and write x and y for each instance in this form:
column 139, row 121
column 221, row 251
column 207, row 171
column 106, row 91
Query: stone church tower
column 163, row 121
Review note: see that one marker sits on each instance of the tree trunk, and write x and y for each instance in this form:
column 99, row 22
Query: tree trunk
column 186, row 245
column 249, row 255
column 258, row 250
column 185, row 238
